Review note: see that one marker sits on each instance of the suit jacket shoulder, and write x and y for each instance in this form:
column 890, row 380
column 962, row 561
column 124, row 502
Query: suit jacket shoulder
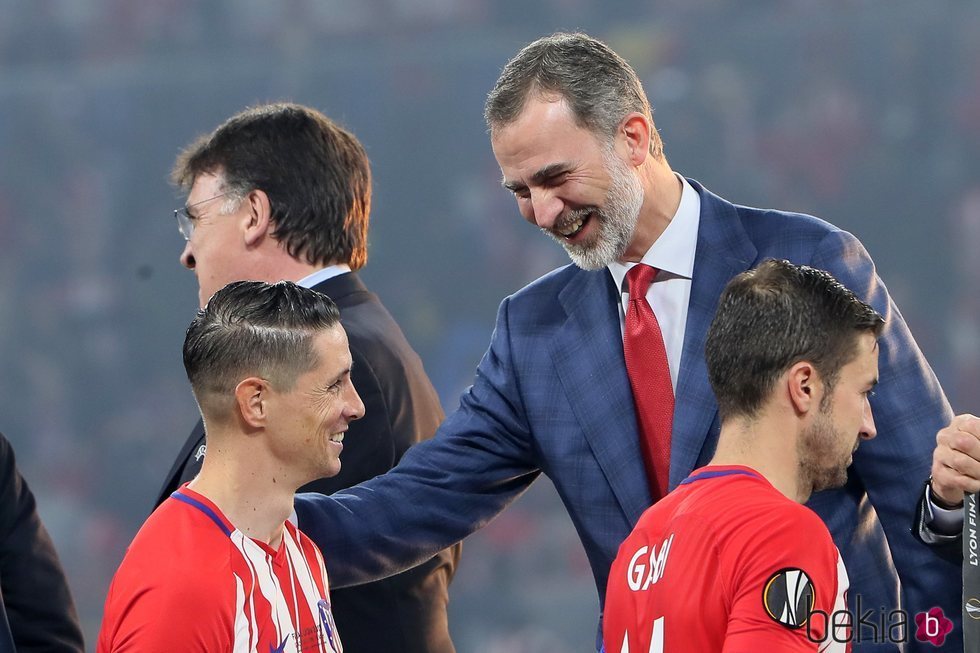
column 401, row 406
column 35, row 593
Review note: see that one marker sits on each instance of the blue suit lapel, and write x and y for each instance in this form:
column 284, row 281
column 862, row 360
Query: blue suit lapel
column 588, row 357
column 723, row 250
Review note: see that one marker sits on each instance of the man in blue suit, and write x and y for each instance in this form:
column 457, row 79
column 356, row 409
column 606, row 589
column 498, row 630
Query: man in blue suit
column 573, row 132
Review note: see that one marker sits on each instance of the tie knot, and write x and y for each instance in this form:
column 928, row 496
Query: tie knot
column 638, row 279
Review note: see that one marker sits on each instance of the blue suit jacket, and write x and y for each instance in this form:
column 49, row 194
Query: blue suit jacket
column 551, row 395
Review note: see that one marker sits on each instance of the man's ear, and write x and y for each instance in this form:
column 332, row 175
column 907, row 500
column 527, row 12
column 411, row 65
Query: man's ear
column 258, row 221
column 635, row 129
column 804, row 387
column 252, row 401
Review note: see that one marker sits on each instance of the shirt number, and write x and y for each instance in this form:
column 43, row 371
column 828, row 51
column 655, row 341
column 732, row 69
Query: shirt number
column 656, row 638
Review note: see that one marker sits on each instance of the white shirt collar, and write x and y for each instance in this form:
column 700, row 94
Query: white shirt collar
column 320, row 276
column 673, row 251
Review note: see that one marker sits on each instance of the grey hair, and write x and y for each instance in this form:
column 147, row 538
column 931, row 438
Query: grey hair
column 600, row 87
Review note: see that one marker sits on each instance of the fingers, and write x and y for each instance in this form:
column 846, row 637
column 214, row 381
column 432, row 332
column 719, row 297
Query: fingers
column 967, row 427
column 949, row 484
column 956, row 460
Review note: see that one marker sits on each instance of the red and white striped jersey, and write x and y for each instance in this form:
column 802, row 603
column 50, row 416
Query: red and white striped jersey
column 726, row 563
column 191, row 581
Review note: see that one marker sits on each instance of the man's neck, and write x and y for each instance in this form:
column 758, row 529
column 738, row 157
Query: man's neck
column 254, row 497
column 766, row 447
column 273, row 263
column 662, row 192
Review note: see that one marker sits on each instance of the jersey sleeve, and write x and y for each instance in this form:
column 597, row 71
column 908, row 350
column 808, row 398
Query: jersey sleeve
column 788, row 587
column 151, row 610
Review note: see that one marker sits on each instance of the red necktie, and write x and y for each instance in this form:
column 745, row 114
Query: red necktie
column 646, row 364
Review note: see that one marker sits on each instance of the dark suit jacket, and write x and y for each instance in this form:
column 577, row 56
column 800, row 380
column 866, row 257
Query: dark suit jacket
column 40, row 615
column 6, row 639
column 552, row 395
column 406, row 612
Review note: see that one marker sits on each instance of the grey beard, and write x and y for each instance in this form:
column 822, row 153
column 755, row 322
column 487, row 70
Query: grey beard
column 616, row 221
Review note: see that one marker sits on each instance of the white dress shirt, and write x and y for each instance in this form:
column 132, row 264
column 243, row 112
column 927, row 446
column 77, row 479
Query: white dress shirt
column 323, row 274
column 673, row 254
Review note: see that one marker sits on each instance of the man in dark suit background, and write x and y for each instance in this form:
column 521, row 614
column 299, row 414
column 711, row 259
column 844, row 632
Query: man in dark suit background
column 572, row 130
column 36, row 609
column 280, row 192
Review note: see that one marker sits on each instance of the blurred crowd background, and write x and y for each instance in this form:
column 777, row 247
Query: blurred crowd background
column 864, row 113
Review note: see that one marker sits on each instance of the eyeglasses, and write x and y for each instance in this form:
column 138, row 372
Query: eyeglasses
column 185, row 221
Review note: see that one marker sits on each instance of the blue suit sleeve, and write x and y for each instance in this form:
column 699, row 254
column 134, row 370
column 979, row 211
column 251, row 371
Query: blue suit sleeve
column 909, row 407
column 442, row 490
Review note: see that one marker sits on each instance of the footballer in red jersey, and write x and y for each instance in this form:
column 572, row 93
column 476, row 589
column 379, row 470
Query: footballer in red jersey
column 218, row 566
column 725, row 563
column 731, row 561
column 191, row 581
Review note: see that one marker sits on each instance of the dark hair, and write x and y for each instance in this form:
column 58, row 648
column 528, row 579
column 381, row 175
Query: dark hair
column 600, row 87
column 315, row 173
column 255, row 328
column 773, row 317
